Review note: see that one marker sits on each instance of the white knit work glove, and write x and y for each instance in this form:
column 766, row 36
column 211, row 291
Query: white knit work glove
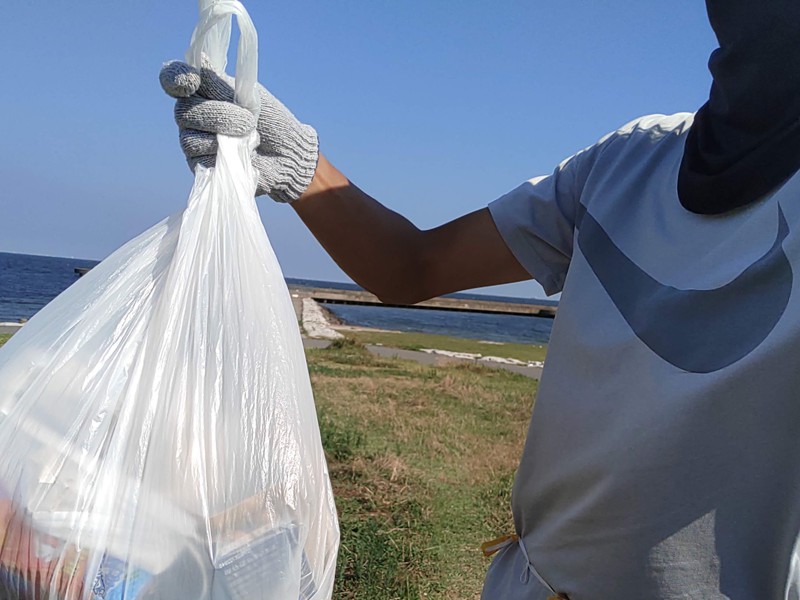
column 287, row 153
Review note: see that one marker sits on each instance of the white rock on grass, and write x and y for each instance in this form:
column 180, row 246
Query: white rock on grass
column 449, row 354
column 513, row 361
column 505, row 361
column 315, row 323
column 481, row 358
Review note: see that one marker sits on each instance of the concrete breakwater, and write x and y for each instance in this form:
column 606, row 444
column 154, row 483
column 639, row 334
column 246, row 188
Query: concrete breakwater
column 362, row 298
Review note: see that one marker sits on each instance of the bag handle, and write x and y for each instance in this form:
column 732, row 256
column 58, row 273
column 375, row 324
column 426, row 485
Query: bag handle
column 212, row 36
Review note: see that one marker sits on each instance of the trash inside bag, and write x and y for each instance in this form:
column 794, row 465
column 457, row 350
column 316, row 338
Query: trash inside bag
column 158, row 436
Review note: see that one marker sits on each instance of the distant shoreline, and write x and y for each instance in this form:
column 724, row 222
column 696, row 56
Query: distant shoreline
column 334, row 285
column 30, row 282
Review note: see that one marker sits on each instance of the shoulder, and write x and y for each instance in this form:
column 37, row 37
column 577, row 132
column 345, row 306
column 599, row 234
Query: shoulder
column 651, row 137
column 650, row 128
column 636, row 136
column 635, row 142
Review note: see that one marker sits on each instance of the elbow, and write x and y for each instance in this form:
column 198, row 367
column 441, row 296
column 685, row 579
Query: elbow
column 407, row 278
column 405, row 288
column 400, row 297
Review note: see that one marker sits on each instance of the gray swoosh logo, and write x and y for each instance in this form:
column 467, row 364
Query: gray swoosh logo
column 699, row 331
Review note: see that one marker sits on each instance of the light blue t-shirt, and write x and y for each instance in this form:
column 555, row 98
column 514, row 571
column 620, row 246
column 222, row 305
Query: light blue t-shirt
column 663, row 455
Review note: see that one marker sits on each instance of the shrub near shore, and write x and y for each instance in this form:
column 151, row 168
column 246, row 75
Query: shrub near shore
column 421, row 461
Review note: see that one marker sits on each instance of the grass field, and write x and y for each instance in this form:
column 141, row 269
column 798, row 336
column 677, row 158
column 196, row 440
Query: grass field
column 417, row 341
column 4, row 337
column 421, row 460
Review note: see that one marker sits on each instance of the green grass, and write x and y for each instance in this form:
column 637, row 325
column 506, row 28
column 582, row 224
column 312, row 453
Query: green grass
column 421, row 460
column 417, row 341
column 4, row 337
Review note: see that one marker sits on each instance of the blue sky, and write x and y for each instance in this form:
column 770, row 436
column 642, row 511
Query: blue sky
column 435, row 108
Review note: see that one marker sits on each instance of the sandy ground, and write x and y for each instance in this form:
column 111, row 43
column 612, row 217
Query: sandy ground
column 9, row 328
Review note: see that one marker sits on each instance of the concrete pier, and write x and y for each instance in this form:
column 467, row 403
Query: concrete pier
column 332, row 296
column 362, row 298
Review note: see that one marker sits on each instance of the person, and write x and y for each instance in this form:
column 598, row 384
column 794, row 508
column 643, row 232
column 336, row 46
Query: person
column 663, row 455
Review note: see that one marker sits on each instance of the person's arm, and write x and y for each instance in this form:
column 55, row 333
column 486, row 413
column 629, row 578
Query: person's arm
column 378, row 248
column 389, row 256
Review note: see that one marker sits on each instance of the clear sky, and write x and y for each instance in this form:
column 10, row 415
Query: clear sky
column 434, row 107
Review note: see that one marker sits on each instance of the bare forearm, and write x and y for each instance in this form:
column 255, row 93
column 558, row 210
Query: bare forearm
column 381, row 250
column 385, row 253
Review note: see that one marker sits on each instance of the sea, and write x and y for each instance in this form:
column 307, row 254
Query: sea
column 28, row 283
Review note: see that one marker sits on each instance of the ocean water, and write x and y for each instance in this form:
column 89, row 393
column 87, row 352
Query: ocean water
column 489, row 327
column 28, row 283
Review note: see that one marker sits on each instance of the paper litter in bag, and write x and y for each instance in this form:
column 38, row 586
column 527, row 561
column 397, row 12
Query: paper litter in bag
column 158, row 435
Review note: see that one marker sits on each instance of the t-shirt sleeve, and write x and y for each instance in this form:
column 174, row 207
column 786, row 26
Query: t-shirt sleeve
column 537, row 220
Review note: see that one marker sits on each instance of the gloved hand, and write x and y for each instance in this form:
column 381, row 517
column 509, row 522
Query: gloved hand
column 287, row 151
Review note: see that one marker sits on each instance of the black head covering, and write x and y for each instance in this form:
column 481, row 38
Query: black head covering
column 745, row 141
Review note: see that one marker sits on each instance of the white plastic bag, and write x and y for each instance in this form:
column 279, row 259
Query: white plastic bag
column 158, row 437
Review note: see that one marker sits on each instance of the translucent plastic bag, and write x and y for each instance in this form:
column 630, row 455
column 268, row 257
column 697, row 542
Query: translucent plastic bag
column 158, row 437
